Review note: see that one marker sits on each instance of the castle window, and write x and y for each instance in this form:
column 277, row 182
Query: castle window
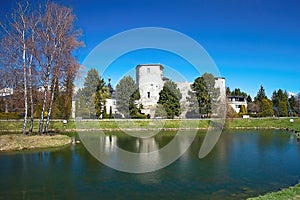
column 148, row 94
column 148, row 70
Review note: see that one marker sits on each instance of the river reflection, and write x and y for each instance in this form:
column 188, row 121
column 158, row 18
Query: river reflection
column 242, row 164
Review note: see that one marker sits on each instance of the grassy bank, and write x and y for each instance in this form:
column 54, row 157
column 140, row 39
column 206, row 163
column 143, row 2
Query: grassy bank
column 288, row 193
column 266, row 123
column 253, row 123
column 16, row 142
column 58, row 126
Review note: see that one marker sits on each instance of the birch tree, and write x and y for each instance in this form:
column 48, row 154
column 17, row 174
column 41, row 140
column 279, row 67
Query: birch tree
column 17, row 32
column 56, row 41
column 39, row 45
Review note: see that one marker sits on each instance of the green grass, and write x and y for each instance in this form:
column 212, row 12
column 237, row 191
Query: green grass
column 253, row 123
column 16, row 142
column 264, row 123
column 288, row 193
column 58, row 126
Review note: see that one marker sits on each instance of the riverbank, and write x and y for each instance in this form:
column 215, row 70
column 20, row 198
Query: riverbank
column 287, row 193
column 17, row 142
column 141, row 125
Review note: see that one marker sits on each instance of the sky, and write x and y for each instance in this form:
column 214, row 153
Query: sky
column 252, row 42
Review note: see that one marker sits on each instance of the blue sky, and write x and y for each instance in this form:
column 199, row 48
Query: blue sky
column 252, row 42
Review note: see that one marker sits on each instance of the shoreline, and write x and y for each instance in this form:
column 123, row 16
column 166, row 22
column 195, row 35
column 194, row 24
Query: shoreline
column 292, row 192
column 20, row 142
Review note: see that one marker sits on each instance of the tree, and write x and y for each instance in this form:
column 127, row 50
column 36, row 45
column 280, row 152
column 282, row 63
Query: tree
column 260, row 94
column 17, row 34
column 243, row 110
column 58, row 40
column 94, row 94
column 292, row 105
column 297, row 104
column 134, row 111
column 253, row 108
column 282, row 109
column 249, row 99
column 266, row 108
column 203, row 94
column 160, row 111
column 238, row 92
column 127, row 95
column 228, row 92
column 169, row 98
column 280, row 103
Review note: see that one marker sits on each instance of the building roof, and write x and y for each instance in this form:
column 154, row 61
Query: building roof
column 232, row 96
column 150, row 64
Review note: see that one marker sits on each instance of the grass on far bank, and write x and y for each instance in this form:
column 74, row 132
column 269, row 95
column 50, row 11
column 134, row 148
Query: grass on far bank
column 236, row 123
column 15, row 142
column 288, row 193
column 265, row 123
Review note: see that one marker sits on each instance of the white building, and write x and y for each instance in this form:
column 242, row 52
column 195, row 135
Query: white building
column 111, row 103
column 150, row 81
column 6, row 92
column 236, row 102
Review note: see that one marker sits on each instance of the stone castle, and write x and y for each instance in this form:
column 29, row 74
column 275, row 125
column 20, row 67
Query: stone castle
column 150, row 81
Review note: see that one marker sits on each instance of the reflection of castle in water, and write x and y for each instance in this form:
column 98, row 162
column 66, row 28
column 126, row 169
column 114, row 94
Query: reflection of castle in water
column 141, row 145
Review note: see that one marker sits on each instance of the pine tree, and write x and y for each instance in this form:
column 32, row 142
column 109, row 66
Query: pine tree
column 169, row 98
column 203, row 94
column 260, row 94
column 266, row 108
column 126, row 96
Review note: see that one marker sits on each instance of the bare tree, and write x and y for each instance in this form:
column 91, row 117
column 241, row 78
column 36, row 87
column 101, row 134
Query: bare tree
column 38, row 46
column 56, row 41
column 17, row 34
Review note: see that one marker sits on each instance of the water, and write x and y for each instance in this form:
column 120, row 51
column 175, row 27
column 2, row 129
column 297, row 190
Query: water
column 242, row 164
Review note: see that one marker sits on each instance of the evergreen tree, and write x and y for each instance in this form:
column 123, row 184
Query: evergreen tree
column 134, row 111
column 249, row 99
column 266, row 108
column 160, row 111
column 169, row 98
column 260, row 94
column 243, row 110
column 292, row 105
column 280, row 103
column 94, row 93
column 282, row 109
column 297, row 104
column 228, row 93
column 238, row 92
column 126, row 96
column 203, row 94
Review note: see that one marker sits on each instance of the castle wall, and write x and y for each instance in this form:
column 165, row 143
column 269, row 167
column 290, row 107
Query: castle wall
column 150, row 83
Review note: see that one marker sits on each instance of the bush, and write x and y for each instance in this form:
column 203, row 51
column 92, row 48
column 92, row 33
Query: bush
column 9, row 115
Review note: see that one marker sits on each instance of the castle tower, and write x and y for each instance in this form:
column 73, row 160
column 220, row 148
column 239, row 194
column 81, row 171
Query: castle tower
column 220, row 83
column 149, row 78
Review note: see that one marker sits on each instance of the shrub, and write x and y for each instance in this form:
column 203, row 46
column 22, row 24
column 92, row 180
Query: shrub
column 9, row 115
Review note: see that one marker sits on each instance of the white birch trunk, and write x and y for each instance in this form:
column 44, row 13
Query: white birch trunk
column 30, row 93
column 50, row 108
column 25, row 84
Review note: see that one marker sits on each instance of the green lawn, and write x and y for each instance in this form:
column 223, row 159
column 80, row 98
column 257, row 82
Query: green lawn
column 57, row 125
column 288, row 193
column 264, row 123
